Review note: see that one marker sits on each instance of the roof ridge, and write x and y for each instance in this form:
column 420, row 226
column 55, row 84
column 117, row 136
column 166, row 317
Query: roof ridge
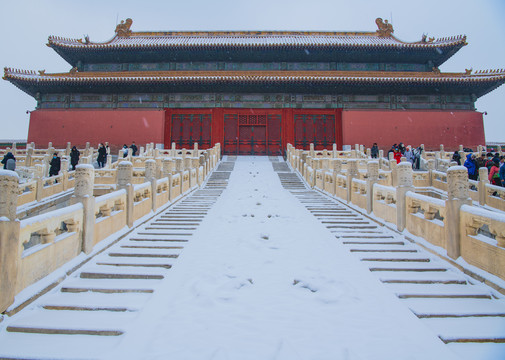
column 8, row 72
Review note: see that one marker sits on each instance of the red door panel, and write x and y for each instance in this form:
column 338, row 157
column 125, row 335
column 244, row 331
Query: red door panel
column 246, row 141
column 259, row 140
column 230, row 134
column 274, row 145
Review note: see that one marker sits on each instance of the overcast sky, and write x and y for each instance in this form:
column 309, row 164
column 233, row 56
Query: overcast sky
column 25, row 26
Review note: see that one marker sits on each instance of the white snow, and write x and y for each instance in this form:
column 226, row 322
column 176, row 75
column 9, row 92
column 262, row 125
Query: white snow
column 493, row 215
column 85, row 166
column 9, row 173
column 425, row 198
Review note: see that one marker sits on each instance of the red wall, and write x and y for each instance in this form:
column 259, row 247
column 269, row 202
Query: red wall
column 431, row 128
column 117, row 127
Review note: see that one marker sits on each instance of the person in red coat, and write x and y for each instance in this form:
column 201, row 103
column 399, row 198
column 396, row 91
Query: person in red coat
column 397, row 155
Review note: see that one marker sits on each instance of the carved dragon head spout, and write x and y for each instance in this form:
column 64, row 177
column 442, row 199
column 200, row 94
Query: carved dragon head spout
column 385, row 28
column 123, row 28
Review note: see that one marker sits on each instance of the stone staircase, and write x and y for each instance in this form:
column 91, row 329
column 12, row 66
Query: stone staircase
column 99, row 301
column 106, row 294
column 465, row 314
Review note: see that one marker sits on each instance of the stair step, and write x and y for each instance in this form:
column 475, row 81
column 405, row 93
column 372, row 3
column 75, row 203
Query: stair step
column 165, row 266
column 67, row 289
column 373, row 242
column 447, row 282
column 84, row 308
column 91, row 275
column 410, row 269
column 383, row 251
column 151, row 247
column 403, row 259
column 34, row 330
column 443, row 296
column 468, row 329
column 158, row 240
column 140, row 255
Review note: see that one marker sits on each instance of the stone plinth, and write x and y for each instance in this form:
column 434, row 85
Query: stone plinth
column 405, row 183
column 457, row 192
column 9, row 182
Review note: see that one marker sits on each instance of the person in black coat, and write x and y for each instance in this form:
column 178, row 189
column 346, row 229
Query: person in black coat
column 55, row 165
column 375, row 151
column 134, row 148
column 102, row 156
column 7, row 156
column 74, row 157
column 456, row 157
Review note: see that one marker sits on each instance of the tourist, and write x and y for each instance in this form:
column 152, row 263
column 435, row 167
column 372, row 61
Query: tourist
column 489, row 161
column 401, row 148
column 471, row 166
column 456, row 157
column 494, row 173
column 375, row 151
column 55, row 165
column 74, row 157
column 409, row 155
column 9, row 161
column 397, row 155
column 392, row 150
column 502, row 171
column 102, row 156
column 417, row 157
column 125, row 151
column 481, row 161
column 134, row 148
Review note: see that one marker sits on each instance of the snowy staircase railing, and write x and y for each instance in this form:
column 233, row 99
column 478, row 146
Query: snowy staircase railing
column 455, row 223
column 32, row 248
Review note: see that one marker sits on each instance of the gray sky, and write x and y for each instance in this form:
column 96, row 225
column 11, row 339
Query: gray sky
column 26, row 24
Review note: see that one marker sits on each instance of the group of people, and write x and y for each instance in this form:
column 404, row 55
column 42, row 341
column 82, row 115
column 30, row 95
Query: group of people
column 9, row 161
column 400, row 150
column 132, row 146
column 493, row 162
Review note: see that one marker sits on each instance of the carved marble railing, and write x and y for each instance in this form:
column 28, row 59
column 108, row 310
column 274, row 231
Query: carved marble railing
column 110, row 214
column 483, row 239
column 439, row 180
column 425, row 218
column 27, row 192
column 329, row 182
column 46, row 242
column 495, row 196
column 359, row 193
column 106, row 176
column 143, row 201
column 341, row 186
column 384, row 202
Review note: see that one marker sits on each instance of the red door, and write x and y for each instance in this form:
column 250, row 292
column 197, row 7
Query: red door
column 189, row 128
column 318, row 129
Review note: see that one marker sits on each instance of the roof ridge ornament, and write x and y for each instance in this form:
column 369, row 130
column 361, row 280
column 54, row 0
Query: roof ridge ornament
column 385, row 28
column 123, row 28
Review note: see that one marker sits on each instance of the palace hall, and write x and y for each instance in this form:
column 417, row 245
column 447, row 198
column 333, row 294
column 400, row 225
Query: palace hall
column 256, row 91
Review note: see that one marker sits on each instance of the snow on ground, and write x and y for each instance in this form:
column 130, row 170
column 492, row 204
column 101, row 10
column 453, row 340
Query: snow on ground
column 263, row 279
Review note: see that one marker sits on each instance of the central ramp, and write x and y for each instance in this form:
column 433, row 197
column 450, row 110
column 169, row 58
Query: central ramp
column 257, row 266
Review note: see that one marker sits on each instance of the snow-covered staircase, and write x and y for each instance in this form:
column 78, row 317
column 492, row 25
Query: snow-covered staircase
column 466, row 314
column 96, row 303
